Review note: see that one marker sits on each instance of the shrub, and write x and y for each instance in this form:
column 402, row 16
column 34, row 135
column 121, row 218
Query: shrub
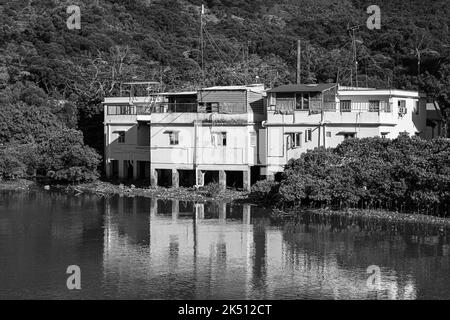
column 10, row 166
column 265, row 191
column 211, row 190
column 406, row 173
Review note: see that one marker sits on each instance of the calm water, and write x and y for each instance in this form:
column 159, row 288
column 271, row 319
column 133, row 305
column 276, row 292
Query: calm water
column 154, row 249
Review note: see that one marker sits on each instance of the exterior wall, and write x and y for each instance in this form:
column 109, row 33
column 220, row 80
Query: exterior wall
column 232, row 96
column 196, row 148
column 328, row 129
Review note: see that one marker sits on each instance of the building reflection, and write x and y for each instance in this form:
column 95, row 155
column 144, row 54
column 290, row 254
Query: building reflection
column 184, row 250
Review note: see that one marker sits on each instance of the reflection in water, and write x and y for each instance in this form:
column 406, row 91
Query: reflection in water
column 161, row 249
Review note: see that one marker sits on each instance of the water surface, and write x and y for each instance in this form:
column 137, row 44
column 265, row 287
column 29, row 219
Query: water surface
column 141, row 248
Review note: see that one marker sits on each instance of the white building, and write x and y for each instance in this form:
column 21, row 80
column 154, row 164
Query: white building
column 303, row 117
column 229, row 135
column 186, row 138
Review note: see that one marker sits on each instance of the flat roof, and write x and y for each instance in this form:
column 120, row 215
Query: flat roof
column 316, row 87
column 235, row 88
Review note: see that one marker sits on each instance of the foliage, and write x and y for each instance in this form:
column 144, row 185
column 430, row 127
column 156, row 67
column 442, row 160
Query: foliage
column 10, row 166
column 401, row 174
column 212, row 189
column 63, row 156
column 265, row 191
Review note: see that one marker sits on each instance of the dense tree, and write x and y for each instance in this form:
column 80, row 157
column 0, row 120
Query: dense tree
column 406, row 174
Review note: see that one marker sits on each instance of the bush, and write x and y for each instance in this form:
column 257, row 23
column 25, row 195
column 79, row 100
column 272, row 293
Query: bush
column 265, row 191
column 408, row 174
column 211, row 190
column 65, row 157
column 11, row 168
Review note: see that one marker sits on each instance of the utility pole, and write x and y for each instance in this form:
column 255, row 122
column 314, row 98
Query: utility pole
column 355, row 56
column 202, row 47
column 299, row 63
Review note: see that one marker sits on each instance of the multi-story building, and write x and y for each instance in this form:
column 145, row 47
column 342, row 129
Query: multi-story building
column 302, row 117
column 229, row 135
column 186, row 138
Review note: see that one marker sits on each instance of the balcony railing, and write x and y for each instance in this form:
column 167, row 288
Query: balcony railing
column 167, row 108
column 152, row 108
column 288, row 107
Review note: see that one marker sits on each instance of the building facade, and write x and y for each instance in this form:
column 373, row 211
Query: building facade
column 186, row 138
column 303, row 117
column 234, row 135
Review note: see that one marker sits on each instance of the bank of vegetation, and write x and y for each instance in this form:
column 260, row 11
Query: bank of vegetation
column 406, row 175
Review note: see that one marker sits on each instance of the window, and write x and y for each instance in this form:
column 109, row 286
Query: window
column 294, row 140
column 173, row 137
column 374, row 106
column 402, row 106
column 219, row 139
column 121, row 137
column 346, row 105
column 302, row 101
column 349, row 135
column 308, row 135
column 384, row 135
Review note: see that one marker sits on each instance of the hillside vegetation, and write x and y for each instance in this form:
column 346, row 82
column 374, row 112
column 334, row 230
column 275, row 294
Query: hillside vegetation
column 62, row 75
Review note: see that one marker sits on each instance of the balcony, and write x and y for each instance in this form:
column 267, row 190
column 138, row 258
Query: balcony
column 289, row 107
column 152, row 108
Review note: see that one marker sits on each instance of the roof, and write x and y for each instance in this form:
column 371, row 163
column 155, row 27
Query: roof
column 183, row 93
column 320, row 87
column 250, row 87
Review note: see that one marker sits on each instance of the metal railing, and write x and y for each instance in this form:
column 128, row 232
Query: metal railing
column 151, row 108
column 343, row 106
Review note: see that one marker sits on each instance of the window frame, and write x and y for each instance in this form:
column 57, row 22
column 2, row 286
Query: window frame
column 308, row 135
column 174, row 138
column 294, row 140
column 121, row 136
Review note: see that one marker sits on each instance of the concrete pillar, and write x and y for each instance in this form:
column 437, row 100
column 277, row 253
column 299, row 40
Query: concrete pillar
column 246, row 180
column 200, row 176
column 222, row 179
column 108, row 168
column 246, row 214
column 153, row 207
column 175, row 178
column 153, row 177
column 223, row 211
column 175, row 210
column 200, row 211
column 135, row 170
column 121, row 169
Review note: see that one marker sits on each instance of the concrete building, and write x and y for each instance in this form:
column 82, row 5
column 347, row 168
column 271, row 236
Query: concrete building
column 234, row 135
column 186, row 138
column 303, row 117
